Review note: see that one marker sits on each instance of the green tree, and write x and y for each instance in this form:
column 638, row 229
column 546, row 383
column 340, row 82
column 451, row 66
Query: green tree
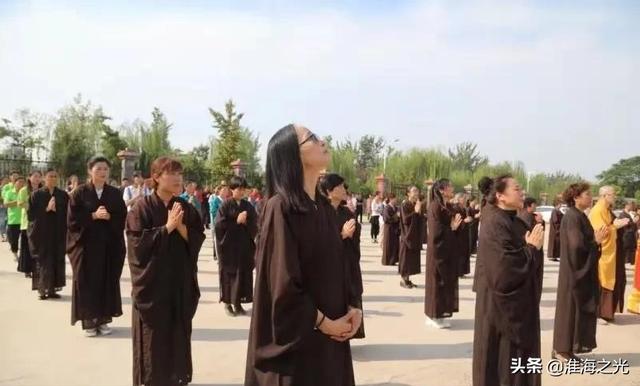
column 248, row 150
column 112, row 143
column 369, row 153
column 625, row 174
column 154, row 140
column 227, row 146
column 77, row 136
column 466, row 156
column 26, row 138
column 194, row 164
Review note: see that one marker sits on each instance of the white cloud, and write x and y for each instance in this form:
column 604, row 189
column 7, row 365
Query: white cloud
column 513, row 78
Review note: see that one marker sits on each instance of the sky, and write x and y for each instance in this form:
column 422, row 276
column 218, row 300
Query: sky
column 554, row 84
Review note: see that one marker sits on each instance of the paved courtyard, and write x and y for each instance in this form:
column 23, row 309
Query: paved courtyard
column 39, row 347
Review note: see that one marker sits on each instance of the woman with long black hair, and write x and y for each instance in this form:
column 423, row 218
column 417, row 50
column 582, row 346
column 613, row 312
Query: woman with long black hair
column 302, row 319
column 441, row 282
column 507, row 317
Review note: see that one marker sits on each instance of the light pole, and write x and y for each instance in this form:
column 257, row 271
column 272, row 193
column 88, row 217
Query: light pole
column 529, row 174
column 386, row 154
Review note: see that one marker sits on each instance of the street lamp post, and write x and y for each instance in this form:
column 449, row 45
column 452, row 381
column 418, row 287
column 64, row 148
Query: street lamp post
column 385, row 155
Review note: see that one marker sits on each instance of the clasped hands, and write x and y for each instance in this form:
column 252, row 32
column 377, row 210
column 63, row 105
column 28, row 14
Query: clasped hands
column 343, row 328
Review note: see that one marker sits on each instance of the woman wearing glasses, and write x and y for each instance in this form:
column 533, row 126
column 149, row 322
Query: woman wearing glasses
column 301, row 320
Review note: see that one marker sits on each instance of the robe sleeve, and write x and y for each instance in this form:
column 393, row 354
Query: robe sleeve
column 511, row 276
column 225, row 224
column 252, row 221
column 582, row 254
column 144, row 242
column 195, row 232
column 440, row 231
column 34, row 209
column 411, row 223
column 389, row 215
column 78, row 219
column 118, row 213
column 286, row 314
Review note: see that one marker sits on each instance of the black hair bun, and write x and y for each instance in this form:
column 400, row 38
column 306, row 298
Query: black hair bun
column 484, row 185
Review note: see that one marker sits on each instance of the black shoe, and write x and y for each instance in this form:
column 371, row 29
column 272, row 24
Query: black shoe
column 239, row 310
column 404, row 284
column 229, row 310
column 411, row 285
column 42, row 296
column 54, row 296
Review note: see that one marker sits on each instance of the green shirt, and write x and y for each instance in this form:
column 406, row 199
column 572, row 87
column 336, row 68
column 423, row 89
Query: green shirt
column 14, row 214
column 8, row 186
column 23, row 201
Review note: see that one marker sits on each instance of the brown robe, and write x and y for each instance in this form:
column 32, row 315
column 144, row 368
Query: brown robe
column 299, row 270
column 507, row 318
column 461, row 248
column 47, row 239
column 473, row 230
column 553, row 245
column 578, row 287
column 411, row 237
column 351, row 253
column 529, row 221
column 391, row 235
column 165, row 291
column 441, row 279
column 236, row 249
column 629, row 239
column 96, row 251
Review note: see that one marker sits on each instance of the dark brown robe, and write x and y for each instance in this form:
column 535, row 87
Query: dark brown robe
column 299, row 270
column 47, row 235
column 391, row 235
column 553, row 245
column 473, row 230
column 165, row 290
column 411, row 237
column 441, row 279
column 578, row 287
column 461, row 248
column 96, row 251
column 507, row 318
column 351, row 253
column 529, row 221
column 236, row 249
column 629, row 239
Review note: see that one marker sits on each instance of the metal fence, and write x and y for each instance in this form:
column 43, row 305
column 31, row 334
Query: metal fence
column 23, row 166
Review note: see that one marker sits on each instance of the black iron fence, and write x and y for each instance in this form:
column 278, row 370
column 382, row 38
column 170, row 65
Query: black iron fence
column 23, row 166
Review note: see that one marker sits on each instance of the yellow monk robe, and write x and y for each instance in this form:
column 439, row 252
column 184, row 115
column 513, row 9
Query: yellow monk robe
column 633, row 304
column 601, row 215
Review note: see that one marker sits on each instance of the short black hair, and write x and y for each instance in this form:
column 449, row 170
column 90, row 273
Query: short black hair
column 126, row 179
column 97, row 159
column 330, row 181
column 236, row 182
column 529, row 201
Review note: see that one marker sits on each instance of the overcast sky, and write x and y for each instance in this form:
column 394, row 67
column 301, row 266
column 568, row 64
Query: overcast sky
column 552, row 83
